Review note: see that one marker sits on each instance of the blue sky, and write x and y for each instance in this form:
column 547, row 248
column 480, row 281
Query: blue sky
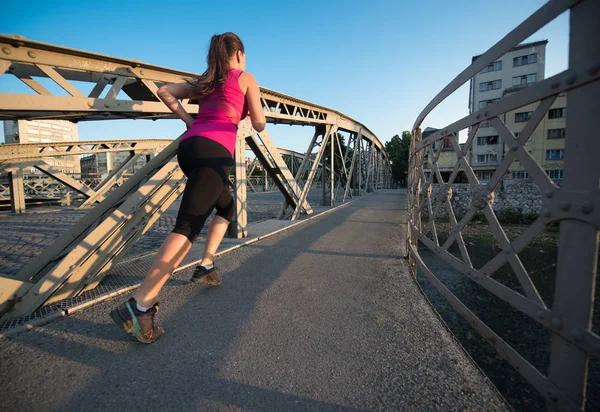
column 379, row 62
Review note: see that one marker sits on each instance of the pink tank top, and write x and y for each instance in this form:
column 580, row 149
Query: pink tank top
column 220, row 112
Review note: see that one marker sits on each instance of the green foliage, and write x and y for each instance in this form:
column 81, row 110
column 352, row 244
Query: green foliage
column 398, row 151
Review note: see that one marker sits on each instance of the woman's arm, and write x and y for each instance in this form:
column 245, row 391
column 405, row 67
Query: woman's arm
column 170, row 93
column 253, row 100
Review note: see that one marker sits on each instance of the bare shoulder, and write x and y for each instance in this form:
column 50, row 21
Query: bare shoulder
column 248, row 77
column 247, row 80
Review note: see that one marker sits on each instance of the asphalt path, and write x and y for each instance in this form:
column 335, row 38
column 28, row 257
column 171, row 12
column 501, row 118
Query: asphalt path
column 323, row 316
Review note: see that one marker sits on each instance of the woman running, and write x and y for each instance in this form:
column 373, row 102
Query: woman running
column 226, row 94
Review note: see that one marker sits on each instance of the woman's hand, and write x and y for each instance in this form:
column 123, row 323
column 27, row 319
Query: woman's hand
column 170, row 93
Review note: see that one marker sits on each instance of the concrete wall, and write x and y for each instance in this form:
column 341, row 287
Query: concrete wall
column 523, row 196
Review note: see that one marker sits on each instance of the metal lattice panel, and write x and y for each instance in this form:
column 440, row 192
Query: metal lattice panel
column 575, row 205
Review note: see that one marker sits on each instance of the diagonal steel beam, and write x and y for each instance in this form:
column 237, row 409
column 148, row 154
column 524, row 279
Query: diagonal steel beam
column 68, row 180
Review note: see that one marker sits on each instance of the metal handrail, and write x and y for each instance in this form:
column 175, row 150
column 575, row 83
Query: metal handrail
column 575, row 205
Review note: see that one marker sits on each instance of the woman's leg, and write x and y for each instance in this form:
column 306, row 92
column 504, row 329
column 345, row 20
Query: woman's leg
column 202, row 190
column 171, row 253
column 216, row 232
column 218, row 227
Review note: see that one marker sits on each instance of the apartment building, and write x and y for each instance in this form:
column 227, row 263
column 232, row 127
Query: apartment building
column 522, row 66
column 546, row 144
column 45, row 131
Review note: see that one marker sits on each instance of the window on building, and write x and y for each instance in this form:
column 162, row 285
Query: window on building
column 485, row 103
column 493, row 85
column 520, row 175
column 555, row 174
column 557, row 113
column 484, row 175
column 556, row 133
column 485, row 140
column 522, row 116
column 487, row 158
column 493, row 67
column 555, row 154
column 523, row 60
column 524, row 80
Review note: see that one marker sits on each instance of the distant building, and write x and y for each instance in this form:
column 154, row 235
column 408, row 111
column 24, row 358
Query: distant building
column 102, row 164
column 41, row 132
column 447, row 158
column 522, row 66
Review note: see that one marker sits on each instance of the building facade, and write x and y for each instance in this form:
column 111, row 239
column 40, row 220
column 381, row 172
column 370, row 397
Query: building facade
column 45, row 131
column 547, row 142
column 102, row 164
column 524, row 65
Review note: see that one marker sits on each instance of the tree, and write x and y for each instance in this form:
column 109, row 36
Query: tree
column 398, row 151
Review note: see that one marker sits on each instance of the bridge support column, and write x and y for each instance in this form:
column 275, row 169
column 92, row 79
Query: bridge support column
column 239, row 227
column 578, row 242
column 17, row 193
column 266, row 182
column 334, row 138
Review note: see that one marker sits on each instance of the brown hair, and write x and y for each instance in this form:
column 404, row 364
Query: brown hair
column 222, row 48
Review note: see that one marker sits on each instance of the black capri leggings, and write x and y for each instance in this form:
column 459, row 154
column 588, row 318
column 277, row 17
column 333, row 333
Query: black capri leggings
column 206, row 164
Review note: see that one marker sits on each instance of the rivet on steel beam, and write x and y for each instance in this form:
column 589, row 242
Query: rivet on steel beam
column 31, row 54
column 141, row 72
column 546, row 213
column 106, row 105
column 6, row 50
column 514, row 147
column 571, row 79
column 557, row 323
column 552, row 396
column 478, row 116
column 577, row 335
column 594, row 69
column 565, row 205
column 587, row 207
column 555, row 85
column 549, row 194
column 90, row 104
column 540, row 314
column 486, row 113
column 20, row 44
column 507, row 251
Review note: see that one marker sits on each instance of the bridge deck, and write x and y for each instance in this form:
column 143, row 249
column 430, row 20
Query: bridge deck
column 323, row 316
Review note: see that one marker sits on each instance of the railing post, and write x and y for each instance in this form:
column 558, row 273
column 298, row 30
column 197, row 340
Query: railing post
column 578, row 242
column 17, row 192
column 414, row 190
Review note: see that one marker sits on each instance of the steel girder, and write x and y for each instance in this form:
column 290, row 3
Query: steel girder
column 127, row 89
